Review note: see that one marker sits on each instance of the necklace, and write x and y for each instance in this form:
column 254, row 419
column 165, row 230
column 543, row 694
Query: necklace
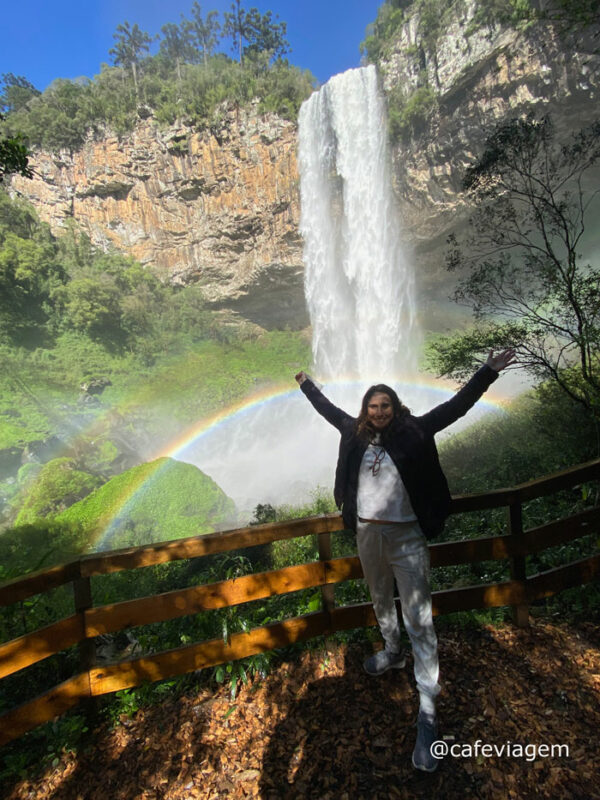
column 379, row 456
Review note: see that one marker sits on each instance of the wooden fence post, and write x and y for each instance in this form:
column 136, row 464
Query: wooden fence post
column 82, row 596
column 327, row 592
column 518, row 572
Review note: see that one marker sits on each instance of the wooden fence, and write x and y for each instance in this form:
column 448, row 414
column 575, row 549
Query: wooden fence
column 88, row 622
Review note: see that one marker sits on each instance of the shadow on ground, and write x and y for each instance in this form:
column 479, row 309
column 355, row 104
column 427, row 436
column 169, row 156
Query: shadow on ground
column 319, row 727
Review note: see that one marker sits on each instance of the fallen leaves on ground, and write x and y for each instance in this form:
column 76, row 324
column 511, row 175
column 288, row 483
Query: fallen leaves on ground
column 319, row 727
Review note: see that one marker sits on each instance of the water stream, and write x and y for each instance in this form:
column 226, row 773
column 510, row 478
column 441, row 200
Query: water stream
column 359, row 282
column 361, row 298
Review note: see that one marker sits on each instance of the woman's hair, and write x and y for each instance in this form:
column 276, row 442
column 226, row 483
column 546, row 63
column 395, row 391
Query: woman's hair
column 363, row 427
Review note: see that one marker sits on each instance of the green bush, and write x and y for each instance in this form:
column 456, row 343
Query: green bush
column 58, row 484
column 409, row 117
column 157, row 501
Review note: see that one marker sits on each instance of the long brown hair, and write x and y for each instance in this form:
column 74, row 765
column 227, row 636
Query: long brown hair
column 364, row 429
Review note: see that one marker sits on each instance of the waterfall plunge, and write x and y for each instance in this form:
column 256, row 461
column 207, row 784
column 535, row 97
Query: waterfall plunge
column 359, row 284
column 360, row 293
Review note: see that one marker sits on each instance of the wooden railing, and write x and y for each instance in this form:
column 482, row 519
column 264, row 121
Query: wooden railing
column 88, row 622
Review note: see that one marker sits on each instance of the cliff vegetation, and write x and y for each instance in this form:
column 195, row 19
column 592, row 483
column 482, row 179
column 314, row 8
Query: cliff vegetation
column 103, row 362
column 426, row 24
column 187, row 79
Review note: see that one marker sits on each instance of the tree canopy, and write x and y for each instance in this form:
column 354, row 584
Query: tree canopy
column 521, row 263
column 131, row 42
column 187, row 79
column 49, row 286
column 254, row 33
column 14, row 156
column 176, row 44
column 204, row 31
column 16, row 92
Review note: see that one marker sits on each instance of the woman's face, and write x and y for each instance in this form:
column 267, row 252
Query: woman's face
column 380, row 410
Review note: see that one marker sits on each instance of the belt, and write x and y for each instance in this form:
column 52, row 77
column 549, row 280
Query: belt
column 386, row 521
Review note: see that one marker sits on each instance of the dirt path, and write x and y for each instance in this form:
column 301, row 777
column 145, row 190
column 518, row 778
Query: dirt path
column 321, row 728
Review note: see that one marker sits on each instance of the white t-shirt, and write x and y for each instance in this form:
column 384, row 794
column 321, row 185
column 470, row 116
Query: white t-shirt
column 381, row 491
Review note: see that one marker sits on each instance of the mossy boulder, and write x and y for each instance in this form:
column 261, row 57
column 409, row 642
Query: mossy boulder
column 157, row 501
column 57, row 485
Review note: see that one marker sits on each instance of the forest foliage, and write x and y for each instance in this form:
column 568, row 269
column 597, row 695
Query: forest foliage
column 71, row 317
column 521, row 266
column 52, row 285
column 186, row 79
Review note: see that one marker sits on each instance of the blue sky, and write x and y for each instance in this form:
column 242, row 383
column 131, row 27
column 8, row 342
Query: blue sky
column 47, row 39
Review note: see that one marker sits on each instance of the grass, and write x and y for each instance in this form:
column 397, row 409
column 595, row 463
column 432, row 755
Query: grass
column 40, row 390
column 160, row 500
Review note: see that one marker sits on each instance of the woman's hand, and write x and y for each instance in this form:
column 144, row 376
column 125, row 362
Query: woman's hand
column 301, row 377
column 502, row 360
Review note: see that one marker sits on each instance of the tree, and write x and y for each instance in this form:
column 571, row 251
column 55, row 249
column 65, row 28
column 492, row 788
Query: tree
column 266, row 36
column 14, row 156
column 17, row 91
column 176, row 44
column 92, row 304
column 131, row 43
column 236, row 26
column 205, row 32
column 29, row 274
column 259, row 32
column 525, row 278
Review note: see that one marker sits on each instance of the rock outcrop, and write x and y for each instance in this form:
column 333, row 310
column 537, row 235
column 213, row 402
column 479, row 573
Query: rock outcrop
column 217, row 207
column 491, row 75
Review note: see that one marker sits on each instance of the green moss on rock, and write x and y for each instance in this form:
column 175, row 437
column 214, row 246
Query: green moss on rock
column 158, row 501
column 58, row 485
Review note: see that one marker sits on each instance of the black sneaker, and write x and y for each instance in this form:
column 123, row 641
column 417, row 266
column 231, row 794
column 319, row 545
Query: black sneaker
column 426, row 736
column 380, row 662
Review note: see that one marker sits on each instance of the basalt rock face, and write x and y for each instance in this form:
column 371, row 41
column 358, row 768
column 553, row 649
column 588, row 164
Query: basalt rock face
column 219, row 208
column 491, row 75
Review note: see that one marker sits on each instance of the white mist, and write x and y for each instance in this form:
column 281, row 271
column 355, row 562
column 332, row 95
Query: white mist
column 361, row 297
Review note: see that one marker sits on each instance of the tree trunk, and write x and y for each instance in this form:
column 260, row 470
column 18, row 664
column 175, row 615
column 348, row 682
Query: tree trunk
column 135, row 83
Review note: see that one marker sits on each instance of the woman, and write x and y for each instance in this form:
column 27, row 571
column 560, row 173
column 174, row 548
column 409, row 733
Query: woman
column 393, row 493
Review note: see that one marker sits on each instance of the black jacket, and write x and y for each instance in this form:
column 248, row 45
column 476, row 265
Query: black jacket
column 411, row 446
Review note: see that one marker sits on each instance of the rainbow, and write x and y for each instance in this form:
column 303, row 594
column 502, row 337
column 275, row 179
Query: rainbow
column 192, row 435
column 176, row 448
column 206, row 425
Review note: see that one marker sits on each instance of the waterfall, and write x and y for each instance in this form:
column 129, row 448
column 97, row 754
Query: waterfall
column 360, row 293
column 358, row 280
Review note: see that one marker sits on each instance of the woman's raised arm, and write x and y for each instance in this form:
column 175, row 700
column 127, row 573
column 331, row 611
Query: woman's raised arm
column 334, row 415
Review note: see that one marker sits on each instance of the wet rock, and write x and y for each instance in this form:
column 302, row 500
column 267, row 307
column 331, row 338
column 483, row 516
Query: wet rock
column 10, row 461
column 95, row 385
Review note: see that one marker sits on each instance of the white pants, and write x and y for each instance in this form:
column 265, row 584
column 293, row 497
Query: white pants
column 399, row 550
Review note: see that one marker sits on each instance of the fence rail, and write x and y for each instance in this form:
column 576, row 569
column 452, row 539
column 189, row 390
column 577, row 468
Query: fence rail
column 88, row 621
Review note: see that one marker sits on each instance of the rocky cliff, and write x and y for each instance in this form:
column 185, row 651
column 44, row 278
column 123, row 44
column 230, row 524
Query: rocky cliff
column 221, row 207
column 481, row 78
